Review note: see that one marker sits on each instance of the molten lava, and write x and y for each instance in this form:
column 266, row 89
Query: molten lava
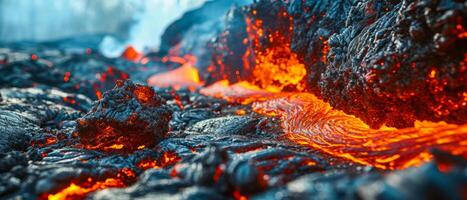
column 132, row 54
column 81, row 189
column 309, row 121
column 277, row 68
column 167, row 159
column 74, row 191
column 184, row 76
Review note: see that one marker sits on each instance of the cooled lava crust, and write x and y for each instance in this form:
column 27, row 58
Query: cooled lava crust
column 128, row 117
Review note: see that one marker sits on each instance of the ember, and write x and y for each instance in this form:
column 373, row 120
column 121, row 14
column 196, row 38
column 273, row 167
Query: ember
column 131, row 54
column 167, row 159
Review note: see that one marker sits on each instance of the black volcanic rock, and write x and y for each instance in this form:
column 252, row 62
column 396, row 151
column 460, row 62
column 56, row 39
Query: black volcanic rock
column 128, row 117
column 387, row 62
column 211, row 11
column 396, row 71
column 23, row 112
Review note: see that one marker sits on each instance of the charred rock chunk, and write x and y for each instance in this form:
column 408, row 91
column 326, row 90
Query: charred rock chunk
column 214, row 168
column 128, row 117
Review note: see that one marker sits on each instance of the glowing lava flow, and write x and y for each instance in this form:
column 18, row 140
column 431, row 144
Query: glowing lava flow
column 309, row 121
column 74, row 191
column 166, row 160
column 81, row 189
column 184, row 76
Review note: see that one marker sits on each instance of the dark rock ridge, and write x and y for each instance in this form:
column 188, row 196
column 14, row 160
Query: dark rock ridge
column 388, row 62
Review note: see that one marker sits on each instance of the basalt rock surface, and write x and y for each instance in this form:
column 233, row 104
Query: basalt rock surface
column 128, row 117
column 388, row 62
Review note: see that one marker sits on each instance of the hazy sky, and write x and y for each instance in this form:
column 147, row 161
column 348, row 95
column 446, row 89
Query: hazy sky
column 142, row 21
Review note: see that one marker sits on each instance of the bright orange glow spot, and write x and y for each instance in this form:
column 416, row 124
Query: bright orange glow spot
column 80, row 189
column 75, row 191
column 432, row 73
column 240, row 112
column 238, row 196
column 98, row 94
column 144, row 94
column 66, row 78
column 165, row 160
column 184, row 76
column 116, row 146
column 132, row 54
column 50, row 141
column 277, row 68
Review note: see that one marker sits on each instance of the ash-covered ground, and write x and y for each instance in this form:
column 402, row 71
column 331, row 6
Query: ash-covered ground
column 77, row 125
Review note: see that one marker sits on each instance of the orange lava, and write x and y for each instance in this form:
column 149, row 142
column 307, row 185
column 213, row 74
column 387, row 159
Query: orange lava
column 309, row 121
column 132, row 54
column 144, row 94
column 277, row 68
column 241, row 92
column 167, row 159
column 75, row 191
column 80, row 190
column 50, row 141
column 184, row 76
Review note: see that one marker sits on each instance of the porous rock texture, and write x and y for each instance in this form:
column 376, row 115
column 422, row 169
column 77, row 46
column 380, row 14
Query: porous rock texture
column 128, row 117
column 387, row 62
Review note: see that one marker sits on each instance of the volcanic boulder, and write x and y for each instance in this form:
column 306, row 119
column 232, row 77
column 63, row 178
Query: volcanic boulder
column 127, row 118
column 214, row 167
column 408, row 64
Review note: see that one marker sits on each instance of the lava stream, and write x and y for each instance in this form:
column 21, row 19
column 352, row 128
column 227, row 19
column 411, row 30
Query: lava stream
column 309, row 121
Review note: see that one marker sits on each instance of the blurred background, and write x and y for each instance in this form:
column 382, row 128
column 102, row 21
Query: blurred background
column 119, row 22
